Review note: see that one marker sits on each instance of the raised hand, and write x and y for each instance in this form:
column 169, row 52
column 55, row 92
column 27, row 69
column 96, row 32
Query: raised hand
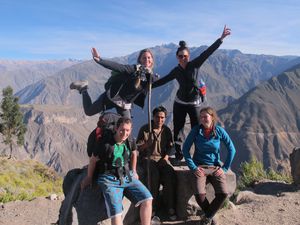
column 95, row 54
column 226, row 32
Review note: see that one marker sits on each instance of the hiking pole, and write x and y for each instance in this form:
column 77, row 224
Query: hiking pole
column 150, row 130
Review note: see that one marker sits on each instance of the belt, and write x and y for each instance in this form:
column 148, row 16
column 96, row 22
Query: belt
column 120, row 172
column 208, row 167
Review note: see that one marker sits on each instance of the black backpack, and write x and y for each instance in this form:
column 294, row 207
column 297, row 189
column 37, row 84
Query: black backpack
column 106, row 123
column 103, row 132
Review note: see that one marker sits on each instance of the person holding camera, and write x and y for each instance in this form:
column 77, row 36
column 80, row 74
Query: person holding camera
column 127, row 85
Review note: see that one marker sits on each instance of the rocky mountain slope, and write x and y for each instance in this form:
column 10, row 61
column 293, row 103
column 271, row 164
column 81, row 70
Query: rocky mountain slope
column 56, row 136
column 227, row 73
column 58, row 130
column 19, row 74
column 265, row 122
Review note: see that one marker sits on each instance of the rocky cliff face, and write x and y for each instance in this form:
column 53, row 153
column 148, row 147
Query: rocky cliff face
column 56, row 136
column 265, row 122
column 227, row 73
column 19, row 74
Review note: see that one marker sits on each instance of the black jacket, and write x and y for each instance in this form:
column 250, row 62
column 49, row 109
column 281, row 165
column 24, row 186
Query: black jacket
column 124, row 82
column 188, row 77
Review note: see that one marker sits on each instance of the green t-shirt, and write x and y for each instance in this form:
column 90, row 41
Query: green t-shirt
column 118, row 155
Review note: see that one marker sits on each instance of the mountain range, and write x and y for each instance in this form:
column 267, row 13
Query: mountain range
column 256, row 96
column 265, row 122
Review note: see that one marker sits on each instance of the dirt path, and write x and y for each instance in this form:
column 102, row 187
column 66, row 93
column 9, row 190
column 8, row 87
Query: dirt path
column 253, row 209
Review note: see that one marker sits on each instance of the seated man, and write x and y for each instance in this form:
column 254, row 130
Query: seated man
column 155, row 148
column 111, row 157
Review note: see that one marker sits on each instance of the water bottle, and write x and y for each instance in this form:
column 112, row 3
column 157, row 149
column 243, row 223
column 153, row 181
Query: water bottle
column 202, row 90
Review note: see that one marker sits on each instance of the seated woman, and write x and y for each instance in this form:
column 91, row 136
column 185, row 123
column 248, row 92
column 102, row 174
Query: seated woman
column 205, row 163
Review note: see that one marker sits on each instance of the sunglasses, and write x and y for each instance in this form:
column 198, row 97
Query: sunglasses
column 182, row 56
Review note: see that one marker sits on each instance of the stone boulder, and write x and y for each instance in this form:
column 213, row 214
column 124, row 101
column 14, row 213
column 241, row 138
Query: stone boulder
column 90, row 208
column 88, row 204
column 295, row 165
column 186, row 204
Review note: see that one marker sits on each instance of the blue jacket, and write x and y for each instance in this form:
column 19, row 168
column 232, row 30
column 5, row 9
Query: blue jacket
column 207, row 151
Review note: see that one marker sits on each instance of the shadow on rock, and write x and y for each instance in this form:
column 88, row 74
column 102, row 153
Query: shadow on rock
column 273, row 188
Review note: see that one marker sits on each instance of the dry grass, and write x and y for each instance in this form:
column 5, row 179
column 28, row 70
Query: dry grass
column 26, row 179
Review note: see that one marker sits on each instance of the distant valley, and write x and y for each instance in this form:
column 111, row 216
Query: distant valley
column 256, row 95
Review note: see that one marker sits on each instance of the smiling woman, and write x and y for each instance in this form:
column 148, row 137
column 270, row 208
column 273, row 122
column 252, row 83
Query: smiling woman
column 189, row 96
column 127, row 85
column 205, row 163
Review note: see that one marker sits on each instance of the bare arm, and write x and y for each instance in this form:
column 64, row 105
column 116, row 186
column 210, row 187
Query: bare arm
column 198, row 61
column 134, row 163
column 225, row 33
column 95, row 55
column 89, row 177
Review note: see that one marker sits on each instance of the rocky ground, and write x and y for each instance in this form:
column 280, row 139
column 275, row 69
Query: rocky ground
column 271, row 204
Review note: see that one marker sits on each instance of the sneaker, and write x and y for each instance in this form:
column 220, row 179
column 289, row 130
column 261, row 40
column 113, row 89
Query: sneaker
column 172, row 214
column 79, row 85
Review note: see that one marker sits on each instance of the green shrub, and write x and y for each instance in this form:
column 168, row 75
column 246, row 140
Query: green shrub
column 253, row 171
column 273, row 175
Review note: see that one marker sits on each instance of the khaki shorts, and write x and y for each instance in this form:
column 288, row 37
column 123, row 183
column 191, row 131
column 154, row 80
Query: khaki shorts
column 218, row 182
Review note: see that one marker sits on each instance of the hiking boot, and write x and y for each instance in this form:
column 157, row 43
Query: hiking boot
column 206, row 221
column 79, row 85
column 178, row 154
column 155, row 220
column 172, row 214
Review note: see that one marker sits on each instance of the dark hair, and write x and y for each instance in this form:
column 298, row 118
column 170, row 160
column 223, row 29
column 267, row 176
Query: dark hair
column 123, row 120
column 182, row 46
column 159, row 109
column 142, row 52
column 212, row 113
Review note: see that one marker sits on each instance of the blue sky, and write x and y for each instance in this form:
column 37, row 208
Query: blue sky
column 62, row 29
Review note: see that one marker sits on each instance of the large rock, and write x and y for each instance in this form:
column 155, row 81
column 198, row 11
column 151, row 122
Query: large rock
column 295, row 165
column 186, row 204
column 88, row 204
column 90, row 208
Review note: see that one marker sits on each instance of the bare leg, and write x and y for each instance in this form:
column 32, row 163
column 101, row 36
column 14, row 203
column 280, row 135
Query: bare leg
column 117, row 220
column 145, row 212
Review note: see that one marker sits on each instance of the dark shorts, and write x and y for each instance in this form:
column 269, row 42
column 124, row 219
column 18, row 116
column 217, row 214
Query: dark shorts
column 218, row 182
column 113, row 192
